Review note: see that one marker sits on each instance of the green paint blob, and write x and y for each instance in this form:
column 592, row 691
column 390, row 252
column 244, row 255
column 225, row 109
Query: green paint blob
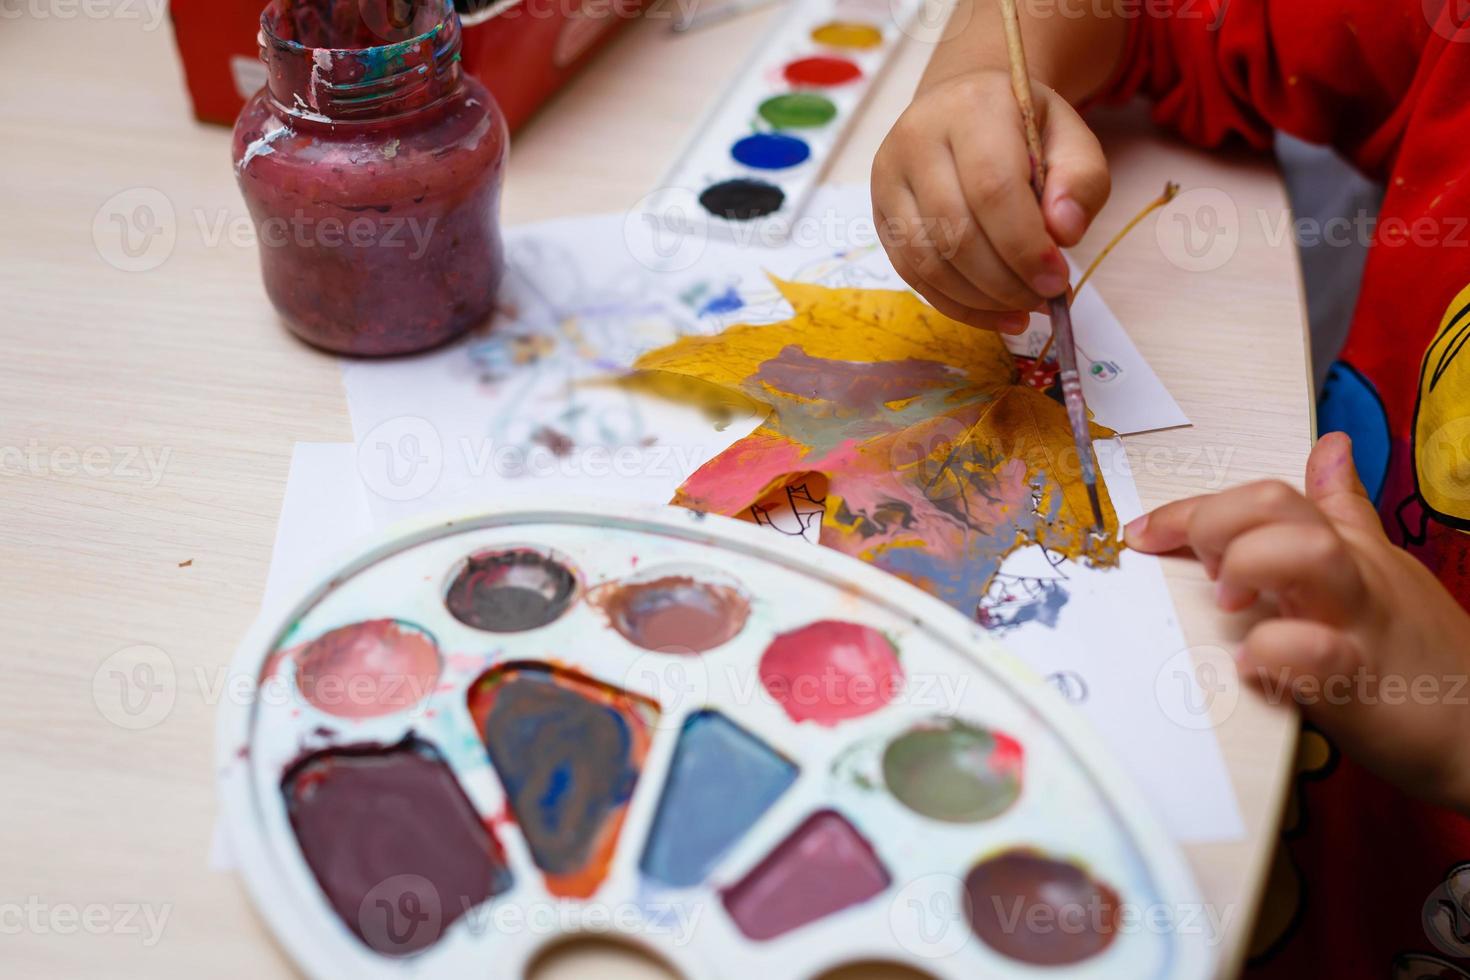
column 798, row 110
column 954, row 772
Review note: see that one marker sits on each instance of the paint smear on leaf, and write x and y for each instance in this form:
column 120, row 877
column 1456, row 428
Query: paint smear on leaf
column 940, row 460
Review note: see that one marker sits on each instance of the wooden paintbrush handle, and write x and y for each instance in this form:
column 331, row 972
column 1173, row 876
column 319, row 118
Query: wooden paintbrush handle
column 1021, row 86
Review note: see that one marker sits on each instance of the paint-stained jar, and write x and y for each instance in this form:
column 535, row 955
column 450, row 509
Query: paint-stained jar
column 372, row 165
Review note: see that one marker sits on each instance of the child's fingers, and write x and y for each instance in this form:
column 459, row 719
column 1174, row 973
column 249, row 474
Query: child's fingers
column 1208, row 524
column 1333, row 484
column 1307, row 567
column 1007, row 323
column 960, row 238
column 921, row 266
column 1010, row 323
column 1078, row 182
column 1000, row 196
column 1309, row 659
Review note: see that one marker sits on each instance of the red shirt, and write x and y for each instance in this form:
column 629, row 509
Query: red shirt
column 1370, row 883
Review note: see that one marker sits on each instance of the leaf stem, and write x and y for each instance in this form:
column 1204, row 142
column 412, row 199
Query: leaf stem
column 1171, row 191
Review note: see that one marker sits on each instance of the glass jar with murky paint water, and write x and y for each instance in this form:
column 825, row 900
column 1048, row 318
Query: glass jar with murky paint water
column 372, row 166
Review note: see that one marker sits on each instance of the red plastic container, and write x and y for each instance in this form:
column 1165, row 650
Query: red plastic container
column 522, row 53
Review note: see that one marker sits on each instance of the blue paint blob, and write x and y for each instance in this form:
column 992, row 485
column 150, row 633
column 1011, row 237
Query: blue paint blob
column 1349, row 403
column 771, row 151
column 1014, row 602
column 720, row 782
column 727, row 302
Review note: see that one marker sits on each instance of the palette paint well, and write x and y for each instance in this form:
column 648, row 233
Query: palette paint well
column 742, row 199
column 771, row 151
column 822, row 71
column 954, row 772
column 568, row 751
column 823, row 867
column 798, row 110
column 368, row 669
column 675, row 614
column 511, row 591
column 831, row 671
column 397, row 848
column 847, row 34
column 721, row 781
column 1084, row 912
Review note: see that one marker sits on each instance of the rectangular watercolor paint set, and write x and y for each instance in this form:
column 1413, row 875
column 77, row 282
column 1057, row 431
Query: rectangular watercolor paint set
column 668, row 728
column 753, row 163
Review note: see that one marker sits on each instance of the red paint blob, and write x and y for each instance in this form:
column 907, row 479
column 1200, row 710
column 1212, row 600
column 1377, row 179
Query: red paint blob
column 831, row 671
column 368, row 669
column 822, row 72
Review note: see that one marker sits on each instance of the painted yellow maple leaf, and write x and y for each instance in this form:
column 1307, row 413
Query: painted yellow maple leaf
column 939, row 461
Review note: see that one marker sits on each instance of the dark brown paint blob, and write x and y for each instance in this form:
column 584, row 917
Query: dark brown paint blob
column 511, row 591
column 742, row 199
column 394, row 843
column 675, row 613
column 1039, row 910
column 823, row 867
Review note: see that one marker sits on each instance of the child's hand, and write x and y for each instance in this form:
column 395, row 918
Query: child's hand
column 953, row 201
column 1368, row 641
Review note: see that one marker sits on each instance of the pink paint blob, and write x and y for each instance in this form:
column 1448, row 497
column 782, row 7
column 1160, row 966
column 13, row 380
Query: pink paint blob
column 831, row 671
column 368, row 669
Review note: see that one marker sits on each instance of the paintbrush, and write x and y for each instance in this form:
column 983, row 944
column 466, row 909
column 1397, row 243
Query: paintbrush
column 1059, row 307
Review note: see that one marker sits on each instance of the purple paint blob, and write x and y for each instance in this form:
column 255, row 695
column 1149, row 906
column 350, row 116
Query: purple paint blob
column 823, row 867
column 396, row 846
column 771, row 151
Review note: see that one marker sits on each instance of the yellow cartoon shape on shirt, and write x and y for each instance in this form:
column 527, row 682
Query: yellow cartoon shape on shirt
column 1442, row 420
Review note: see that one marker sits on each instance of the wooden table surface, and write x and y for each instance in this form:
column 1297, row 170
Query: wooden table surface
column 147, row 420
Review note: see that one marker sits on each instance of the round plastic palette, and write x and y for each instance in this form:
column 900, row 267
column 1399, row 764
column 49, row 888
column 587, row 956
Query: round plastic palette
column 483, row 736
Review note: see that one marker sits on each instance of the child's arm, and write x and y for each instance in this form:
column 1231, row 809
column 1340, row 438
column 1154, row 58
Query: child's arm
column 950, row 189
column 1368, row 641
column 951, row 183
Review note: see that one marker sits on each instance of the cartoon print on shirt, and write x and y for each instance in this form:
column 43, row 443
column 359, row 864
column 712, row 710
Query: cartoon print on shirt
column 1441, row 431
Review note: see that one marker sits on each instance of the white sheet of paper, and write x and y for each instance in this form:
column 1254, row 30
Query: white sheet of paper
column 1109, row 641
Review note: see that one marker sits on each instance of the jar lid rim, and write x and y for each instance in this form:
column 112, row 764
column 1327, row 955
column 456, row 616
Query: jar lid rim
column 406, row 44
